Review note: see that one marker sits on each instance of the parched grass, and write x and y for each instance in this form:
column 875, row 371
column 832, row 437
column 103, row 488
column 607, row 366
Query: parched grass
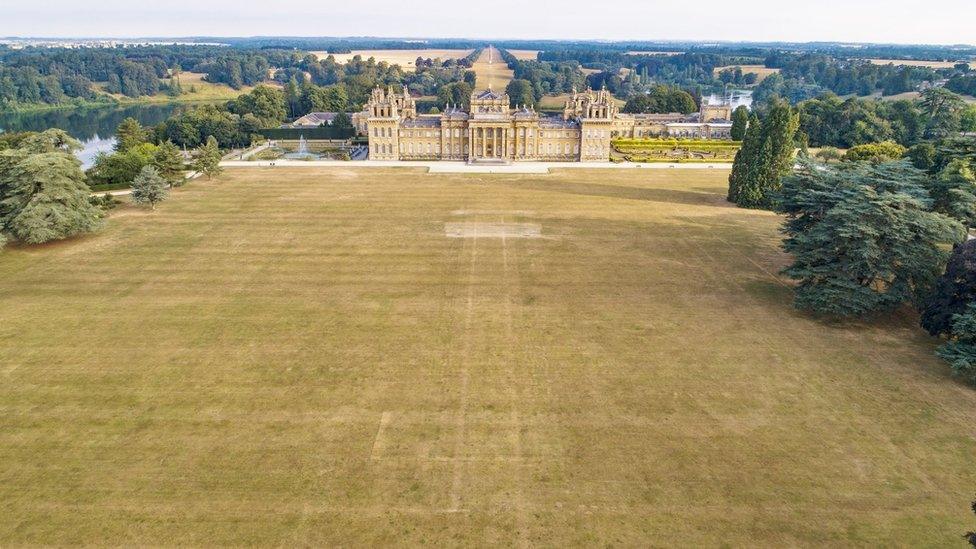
column 760, row 71
column 405, row 58
column 304, row 357
column 495, row 74
column 195, row 89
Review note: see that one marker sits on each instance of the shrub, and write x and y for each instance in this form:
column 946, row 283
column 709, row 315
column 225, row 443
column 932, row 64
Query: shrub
column 876, row 152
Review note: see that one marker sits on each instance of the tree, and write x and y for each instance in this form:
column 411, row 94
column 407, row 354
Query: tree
column 149, row 187
column 121, row 167
column 45, row 197
column 455, row 93
column 886, row 151
column 943, row 110
column 520, row 92
column 960, row 350
column 343, row 122
column 661, row 99
column 953, row 192
column 168, row 162
column 129, row 134
column 922, row 155
column 967, row 119
column 862, row 237
column 766, row 156
column 267, row 104
column 740, row 120
column 953, row 292
column 207, row 160
column 740, row 186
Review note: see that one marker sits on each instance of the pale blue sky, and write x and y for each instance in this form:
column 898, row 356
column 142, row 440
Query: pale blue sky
column 901, row 21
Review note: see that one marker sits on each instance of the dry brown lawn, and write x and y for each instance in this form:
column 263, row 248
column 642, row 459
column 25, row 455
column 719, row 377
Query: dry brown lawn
column 304, row 356
column 530, row 55
column 496, row 73
column 760, row 71
column 404, row 58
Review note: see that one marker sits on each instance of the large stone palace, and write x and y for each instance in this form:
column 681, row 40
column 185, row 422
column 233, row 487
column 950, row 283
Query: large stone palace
column 492, row 131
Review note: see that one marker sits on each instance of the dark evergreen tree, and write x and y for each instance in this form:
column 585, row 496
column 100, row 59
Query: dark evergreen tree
column 960, row 350
column 740, row 120
column 766, row 156
column 953, row 292
column 168, row 162
column 953, row 192
column 129, row 134
column 43, row 195
column 740, row 188
column 862, row 237
column 149, row 187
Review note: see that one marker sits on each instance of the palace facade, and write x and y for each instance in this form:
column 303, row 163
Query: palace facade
column 494, row 132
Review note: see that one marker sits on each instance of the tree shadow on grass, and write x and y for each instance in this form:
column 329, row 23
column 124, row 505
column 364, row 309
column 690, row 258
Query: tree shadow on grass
column 707, row 197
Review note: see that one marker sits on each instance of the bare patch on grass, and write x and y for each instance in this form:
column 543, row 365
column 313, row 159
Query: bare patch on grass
column 478, row 229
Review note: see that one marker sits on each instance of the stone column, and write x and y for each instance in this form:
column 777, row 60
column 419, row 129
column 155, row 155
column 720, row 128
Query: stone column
column 515, row 141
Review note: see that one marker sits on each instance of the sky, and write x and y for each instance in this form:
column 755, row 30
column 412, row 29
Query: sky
column 887, row 21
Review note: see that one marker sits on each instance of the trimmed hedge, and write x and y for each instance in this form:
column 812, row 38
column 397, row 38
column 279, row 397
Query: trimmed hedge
column 109, row 187
column 663, row 160
column 325, row 132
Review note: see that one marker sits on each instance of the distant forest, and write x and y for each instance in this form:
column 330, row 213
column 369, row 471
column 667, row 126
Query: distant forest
column 34, row 76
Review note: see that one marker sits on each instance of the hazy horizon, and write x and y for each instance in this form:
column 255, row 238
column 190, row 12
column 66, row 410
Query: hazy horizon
column 871, row 21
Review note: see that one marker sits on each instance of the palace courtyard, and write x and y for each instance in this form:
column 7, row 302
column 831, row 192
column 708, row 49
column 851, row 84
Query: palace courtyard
column 362, row 357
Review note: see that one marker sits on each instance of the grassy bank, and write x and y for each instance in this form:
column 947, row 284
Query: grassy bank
column 195, row 90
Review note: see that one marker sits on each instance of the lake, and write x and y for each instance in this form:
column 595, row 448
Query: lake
column 94, row 127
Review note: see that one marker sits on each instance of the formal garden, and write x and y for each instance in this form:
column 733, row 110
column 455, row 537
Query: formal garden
column 674, row 150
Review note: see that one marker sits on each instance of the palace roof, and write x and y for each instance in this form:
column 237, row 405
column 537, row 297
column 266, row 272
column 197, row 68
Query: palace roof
column 422, row 122
column 555, row 122
column 488, row 94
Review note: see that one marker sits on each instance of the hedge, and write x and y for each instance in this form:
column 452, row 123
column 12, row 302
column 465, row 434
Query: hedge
column 324, row 132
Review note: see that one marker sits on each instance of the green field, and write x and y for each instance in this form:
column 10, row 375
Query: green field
column 303, row 357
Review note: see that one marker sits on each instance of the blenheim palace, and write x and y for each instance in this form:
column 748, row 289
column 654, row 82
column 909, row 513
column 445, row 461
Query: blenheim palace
column 493, row 132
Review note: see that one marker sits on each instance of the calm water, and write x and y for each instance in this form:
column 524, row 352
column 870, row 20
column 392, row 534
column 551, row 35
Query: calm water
column 94, row 127
column 735, row 97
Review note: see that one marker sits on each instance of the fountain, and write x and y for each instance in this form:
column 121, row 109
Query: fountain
column 302, row 153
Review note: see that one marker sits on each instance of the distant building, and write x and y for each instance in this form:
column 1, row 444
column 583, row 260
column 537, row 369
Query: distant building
column 314, row 120
column 493, row 131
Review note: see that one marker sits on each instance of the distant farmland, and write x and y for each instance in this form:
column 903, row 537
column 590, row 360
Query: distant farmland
column 761, row 71
column 404, row 58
